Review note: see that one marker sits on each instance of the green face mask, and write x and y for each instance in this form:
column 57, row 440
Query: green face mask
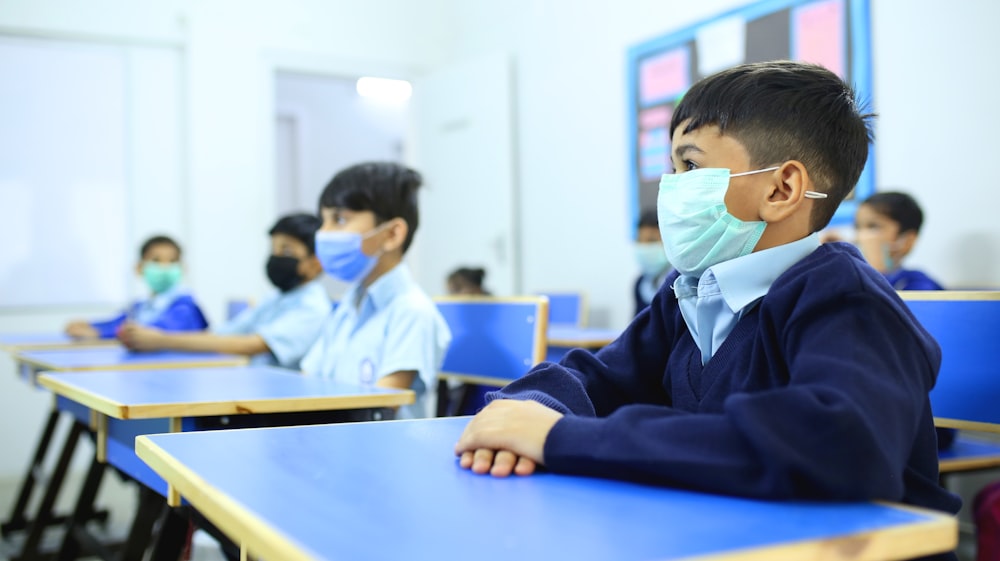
column 159, row 277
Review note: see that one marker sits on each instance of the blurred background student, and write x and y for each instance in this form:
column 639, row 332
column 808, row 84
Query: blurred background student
column 170, row 306
column 887, row 226
column 467, row 281
column 653, row 264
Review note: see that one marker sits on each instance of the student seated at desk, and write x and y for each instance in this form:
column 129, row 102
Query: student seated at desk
column 282, row 328
column 888, row 225
column 653, row 263
column 768, row 365
column 467, row 281
column 170, row 306
column 385, row 332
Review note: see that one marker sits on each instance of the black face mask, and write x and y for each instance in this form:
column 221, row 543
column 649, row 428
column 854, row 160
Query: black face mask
column 284, row 272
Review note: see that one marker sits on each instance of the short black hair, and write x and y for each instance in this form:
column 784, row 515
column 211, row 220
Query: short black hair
column 784, row 110
column 900, row 207
column 158, row 240
column 469, row 275
column 648, row 219
column 300, row 226
column 387, row 189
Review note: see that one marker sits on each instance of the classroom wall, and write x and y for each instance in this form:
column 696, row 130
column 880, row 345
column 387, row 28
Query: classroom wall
column 934, row 88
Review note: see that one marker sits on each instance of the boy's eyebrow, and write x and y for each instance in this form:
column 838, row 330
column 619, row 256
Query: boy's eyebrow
column 683, row 149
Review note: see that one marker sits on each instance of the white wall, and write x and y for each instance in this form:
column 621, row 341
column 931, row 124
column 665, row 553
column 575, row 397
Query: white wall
column 934, row 82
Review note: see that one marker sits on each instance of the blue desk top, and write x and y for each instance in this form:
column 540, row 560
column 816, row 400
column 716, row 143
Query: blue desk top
column 20, row 341
column 119, row 358
column 588, row 337
column 213, row 391
column 393, row 490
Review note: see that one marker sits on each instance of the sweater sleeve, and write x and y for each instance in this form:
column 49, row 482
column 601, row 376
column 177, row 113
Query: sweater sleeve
column 841, row 428
column 629, row 370
column 106, row 329
column 182, row 315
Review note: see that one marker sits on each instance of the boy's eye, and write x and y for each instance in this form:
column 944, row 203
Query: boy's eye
column 688, row 165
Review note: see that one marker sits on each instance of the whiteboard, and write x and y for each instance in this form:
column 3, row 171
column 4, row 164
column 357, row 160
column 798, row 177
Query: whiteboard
column 70, row 145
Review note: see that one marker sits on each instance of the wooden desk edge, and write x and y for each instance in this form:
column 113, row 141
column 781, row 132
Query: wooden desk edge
column 968, row 464
column 271, row 405
column 227, row 514
column 235, row 407
column 47, row 366
column 83, row 397
column 473, row 379
column 939, row 533
column 976, row 426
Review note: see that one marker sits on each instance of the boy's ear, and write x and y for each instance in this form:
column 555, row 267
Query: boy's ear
column 138, row 268
column 396, row 233
column 786, row 193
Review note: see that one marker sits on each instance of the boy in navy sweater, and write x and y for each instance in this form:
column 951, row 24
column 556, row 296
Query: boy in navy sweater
column 767, row 365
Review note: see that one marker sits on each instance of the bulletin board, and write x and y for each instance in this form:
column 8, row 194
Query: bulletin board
column 833, row 33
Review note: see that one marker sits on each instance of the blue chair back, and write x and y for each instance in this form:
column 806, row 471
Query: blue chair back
column 567, row 308
column 966, row 325
column 494, row 340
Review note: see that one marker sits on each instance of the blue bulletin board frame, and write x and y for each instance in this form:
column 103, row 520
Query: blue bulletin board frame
column 857, row 60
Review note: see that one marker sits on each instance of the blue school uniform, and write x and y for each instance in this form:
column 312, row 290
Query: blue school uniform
column 288, row 322
column 819, row 390
column 646, row 287
column 908, row 279
column 390, row 327
column 173, row 310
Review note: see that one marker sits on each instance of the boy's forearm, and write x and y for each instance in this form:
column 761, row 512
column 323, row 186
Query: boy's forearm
column 251, row 344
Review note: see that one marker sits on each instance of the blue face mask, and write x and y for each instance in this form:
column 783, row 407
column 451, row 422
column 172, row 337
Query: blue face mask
column 697, row 230
column 341, row 256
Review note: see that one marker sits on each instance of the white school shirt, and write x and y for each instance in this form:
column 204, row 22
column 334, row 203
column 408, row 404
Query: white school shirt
column 288, row 322
column 394, row 327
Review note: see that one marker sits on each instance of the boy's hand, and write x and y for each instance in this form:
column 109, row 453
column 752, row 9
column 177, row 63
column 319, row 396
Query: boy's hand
column 874, row 249
column 140, row 338
column 81, row 330
column 506, row 436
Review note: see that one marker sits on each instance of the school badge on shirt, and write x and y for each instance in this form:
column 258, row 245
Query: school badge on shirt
column 366, row 374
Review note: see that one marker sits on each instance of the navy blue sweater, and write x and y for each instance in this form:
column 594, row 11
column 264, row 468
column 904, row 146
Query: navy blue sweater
column 820, row 392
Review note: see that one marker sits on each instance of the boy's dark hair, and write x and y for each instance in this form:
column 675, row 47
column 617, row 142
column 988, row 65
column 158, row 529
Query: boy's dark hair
column 648, row 219
column 300, row 226
column 785, row 110
column 387, row 189
column 158, row 240
column 470, row 275
column 900, row 207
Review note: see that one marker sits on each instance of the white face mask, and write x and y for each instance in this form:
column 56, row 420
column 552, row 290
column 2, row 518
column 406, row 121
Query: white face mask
column 697, row 230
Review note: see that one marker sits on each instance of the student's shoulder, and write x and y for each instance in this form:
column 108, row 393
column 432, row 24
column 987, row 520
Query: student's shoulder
column 830, row 273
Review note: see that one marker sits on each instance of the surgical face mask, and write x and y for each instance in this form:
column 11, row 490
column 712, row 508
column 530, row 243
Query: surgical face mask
column 161, row 277
column 651, row 258
column 283, row 272
column 697, row 230
column 341, row 256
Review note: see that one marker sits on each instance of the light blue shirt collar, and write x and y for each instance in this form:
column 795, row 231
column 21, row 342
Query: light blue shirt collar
column 712, row 304
column 381, row 292
column 746, row 279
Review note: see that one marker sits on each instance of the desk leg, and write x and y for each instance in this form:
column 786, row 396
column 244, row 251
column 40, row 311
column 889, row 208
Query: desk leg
column 140, row 534
column 173, row 535
column 43, row 518
column 443, row 397
column 17, row 521
column 76, row 529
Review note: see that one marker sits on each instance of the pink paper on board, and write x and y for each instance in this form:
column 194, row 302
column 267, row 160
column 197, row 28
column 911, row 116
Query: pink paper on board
column 820, row 34
column 655, row 117
column 664, row 76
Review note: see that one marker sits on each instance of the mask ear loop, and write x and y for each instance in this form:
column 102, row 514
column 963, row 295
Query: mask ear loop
column 808, row 194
